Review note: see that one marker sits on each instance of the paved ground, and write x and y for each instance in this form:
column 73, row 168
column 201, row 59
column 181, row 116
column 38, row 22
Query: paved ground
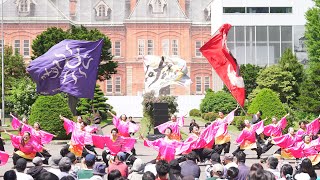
column 146, row 154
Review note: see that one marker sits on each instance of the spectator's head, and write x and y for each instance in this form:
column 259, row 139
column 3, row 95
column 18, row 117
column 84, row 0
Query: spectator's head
column 67, row 178
column 256, row 167
column 114, row 174
column 72, row 157
column 54, row 161
column 21, row 165
column 130, row 118
column 261, row 175
column 162, row 168
column 10, row 175
column 217, row 170
column 232, row 173
column 241, row 157
column 121, row 156
column 286, row 171
column 175, row 169
column 272, row 162
column 89, row 160
column 306, row 167
column 37, row 161
column 215, row 158
column 47, row 176
column 137, row 165
column 192, row 156
column 65, row 164
column 228, row 158
column 148, row 176
column 99, row 169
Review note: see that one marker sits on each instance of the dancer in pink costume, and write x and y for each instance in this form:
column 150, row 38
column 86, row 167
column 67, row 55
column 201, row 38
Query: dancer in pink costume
column 174, row 124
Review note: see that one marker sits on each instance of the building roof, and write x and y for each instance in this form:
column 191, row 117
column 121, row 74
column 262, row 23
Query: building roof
column 172, row 12
column 198, row 11
column 41, row 10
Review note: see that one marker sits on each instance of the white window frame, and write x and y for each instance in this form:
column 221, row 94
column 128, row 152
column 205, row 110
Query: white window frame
column 24, row 6
column 175, row 47
column 198, row 83
column 150, row 47
column 117, row 48
column 197, row 49
column 117, row 83
column 102, row 11
column 17, row 46
column 109, row 84
column 165, row 45
column 141, row 47
column 26, row 49
column 206, row 83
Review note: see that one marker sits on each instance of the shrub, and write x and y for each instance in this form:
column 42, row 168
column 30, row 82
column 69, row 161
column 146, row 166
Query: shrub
column 195, row 112
column 238, row 121
column 46, row 111
column 219, row 101
column 269, row 103
column 211, row 116
column 203, row 115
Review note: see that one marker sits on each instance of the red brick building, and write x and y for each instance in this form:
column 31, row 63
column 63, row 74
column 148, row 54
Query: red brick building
column 135, row 27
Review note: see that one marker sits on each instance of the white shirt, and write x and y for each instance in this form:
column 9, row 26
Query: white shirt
column 54, row 171
column 23, row 176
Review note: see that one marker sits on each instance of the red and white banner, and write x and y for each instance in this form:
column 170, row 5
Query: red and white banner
column 220, row 58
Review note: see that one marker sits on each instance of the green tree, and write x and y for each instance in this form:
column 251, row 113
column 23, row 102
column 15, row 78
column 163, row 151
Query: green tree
column 280, row 81
column 217, row 101
column 309, row 99
column 289, row 62
column 14, row 67
column 21, row 96
column 46, row 111
column 269, row 103
column 88, row 107
column 52, row 36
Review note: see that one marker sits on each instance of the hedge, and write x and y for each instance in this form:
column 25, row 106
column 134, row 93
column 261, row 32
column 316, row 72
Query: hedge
column 195, row 112
column 46, row 111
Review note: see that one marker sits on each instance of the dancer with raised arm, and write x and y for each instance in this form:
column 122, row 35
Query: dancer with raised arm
column 174, row 124
column 26, row 145
column 310, row 129
column 274, row 130
column 166, row 146
column 247, row 138
column 222, row 142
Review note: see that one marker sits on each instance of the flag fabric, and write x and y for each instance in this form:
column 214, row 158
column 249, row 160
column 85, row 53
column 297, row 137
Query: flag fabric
column 3, row 158
column 163, row 71
column 70, row 66
column 218, row 55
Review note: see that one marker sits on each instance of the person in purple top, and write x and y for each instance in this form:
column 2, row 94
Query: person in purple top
column 243, row 169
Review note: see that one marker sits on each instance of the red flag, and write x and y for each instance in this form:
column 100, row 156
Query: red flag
column 218, row 55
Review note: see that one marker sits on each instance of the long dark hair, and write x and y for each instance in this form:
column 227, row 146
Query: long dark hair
column 22, row 141
column 306, row 167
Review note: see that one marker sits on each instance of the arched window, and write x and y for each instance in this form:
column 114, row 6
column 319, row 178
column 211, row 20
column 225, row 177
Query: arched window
column 24, row 6
column 101, row 10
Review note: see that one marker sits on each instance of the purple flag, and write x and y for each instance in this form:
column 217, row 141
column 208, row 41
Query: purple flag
column 70, row 66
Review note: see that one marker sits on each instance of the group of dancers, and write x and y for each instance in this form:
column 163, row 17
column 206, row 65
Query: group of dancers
column 214, row 138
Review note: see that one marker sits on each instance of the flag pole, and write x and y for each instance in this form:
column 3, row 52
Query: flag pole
column 2, row 66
